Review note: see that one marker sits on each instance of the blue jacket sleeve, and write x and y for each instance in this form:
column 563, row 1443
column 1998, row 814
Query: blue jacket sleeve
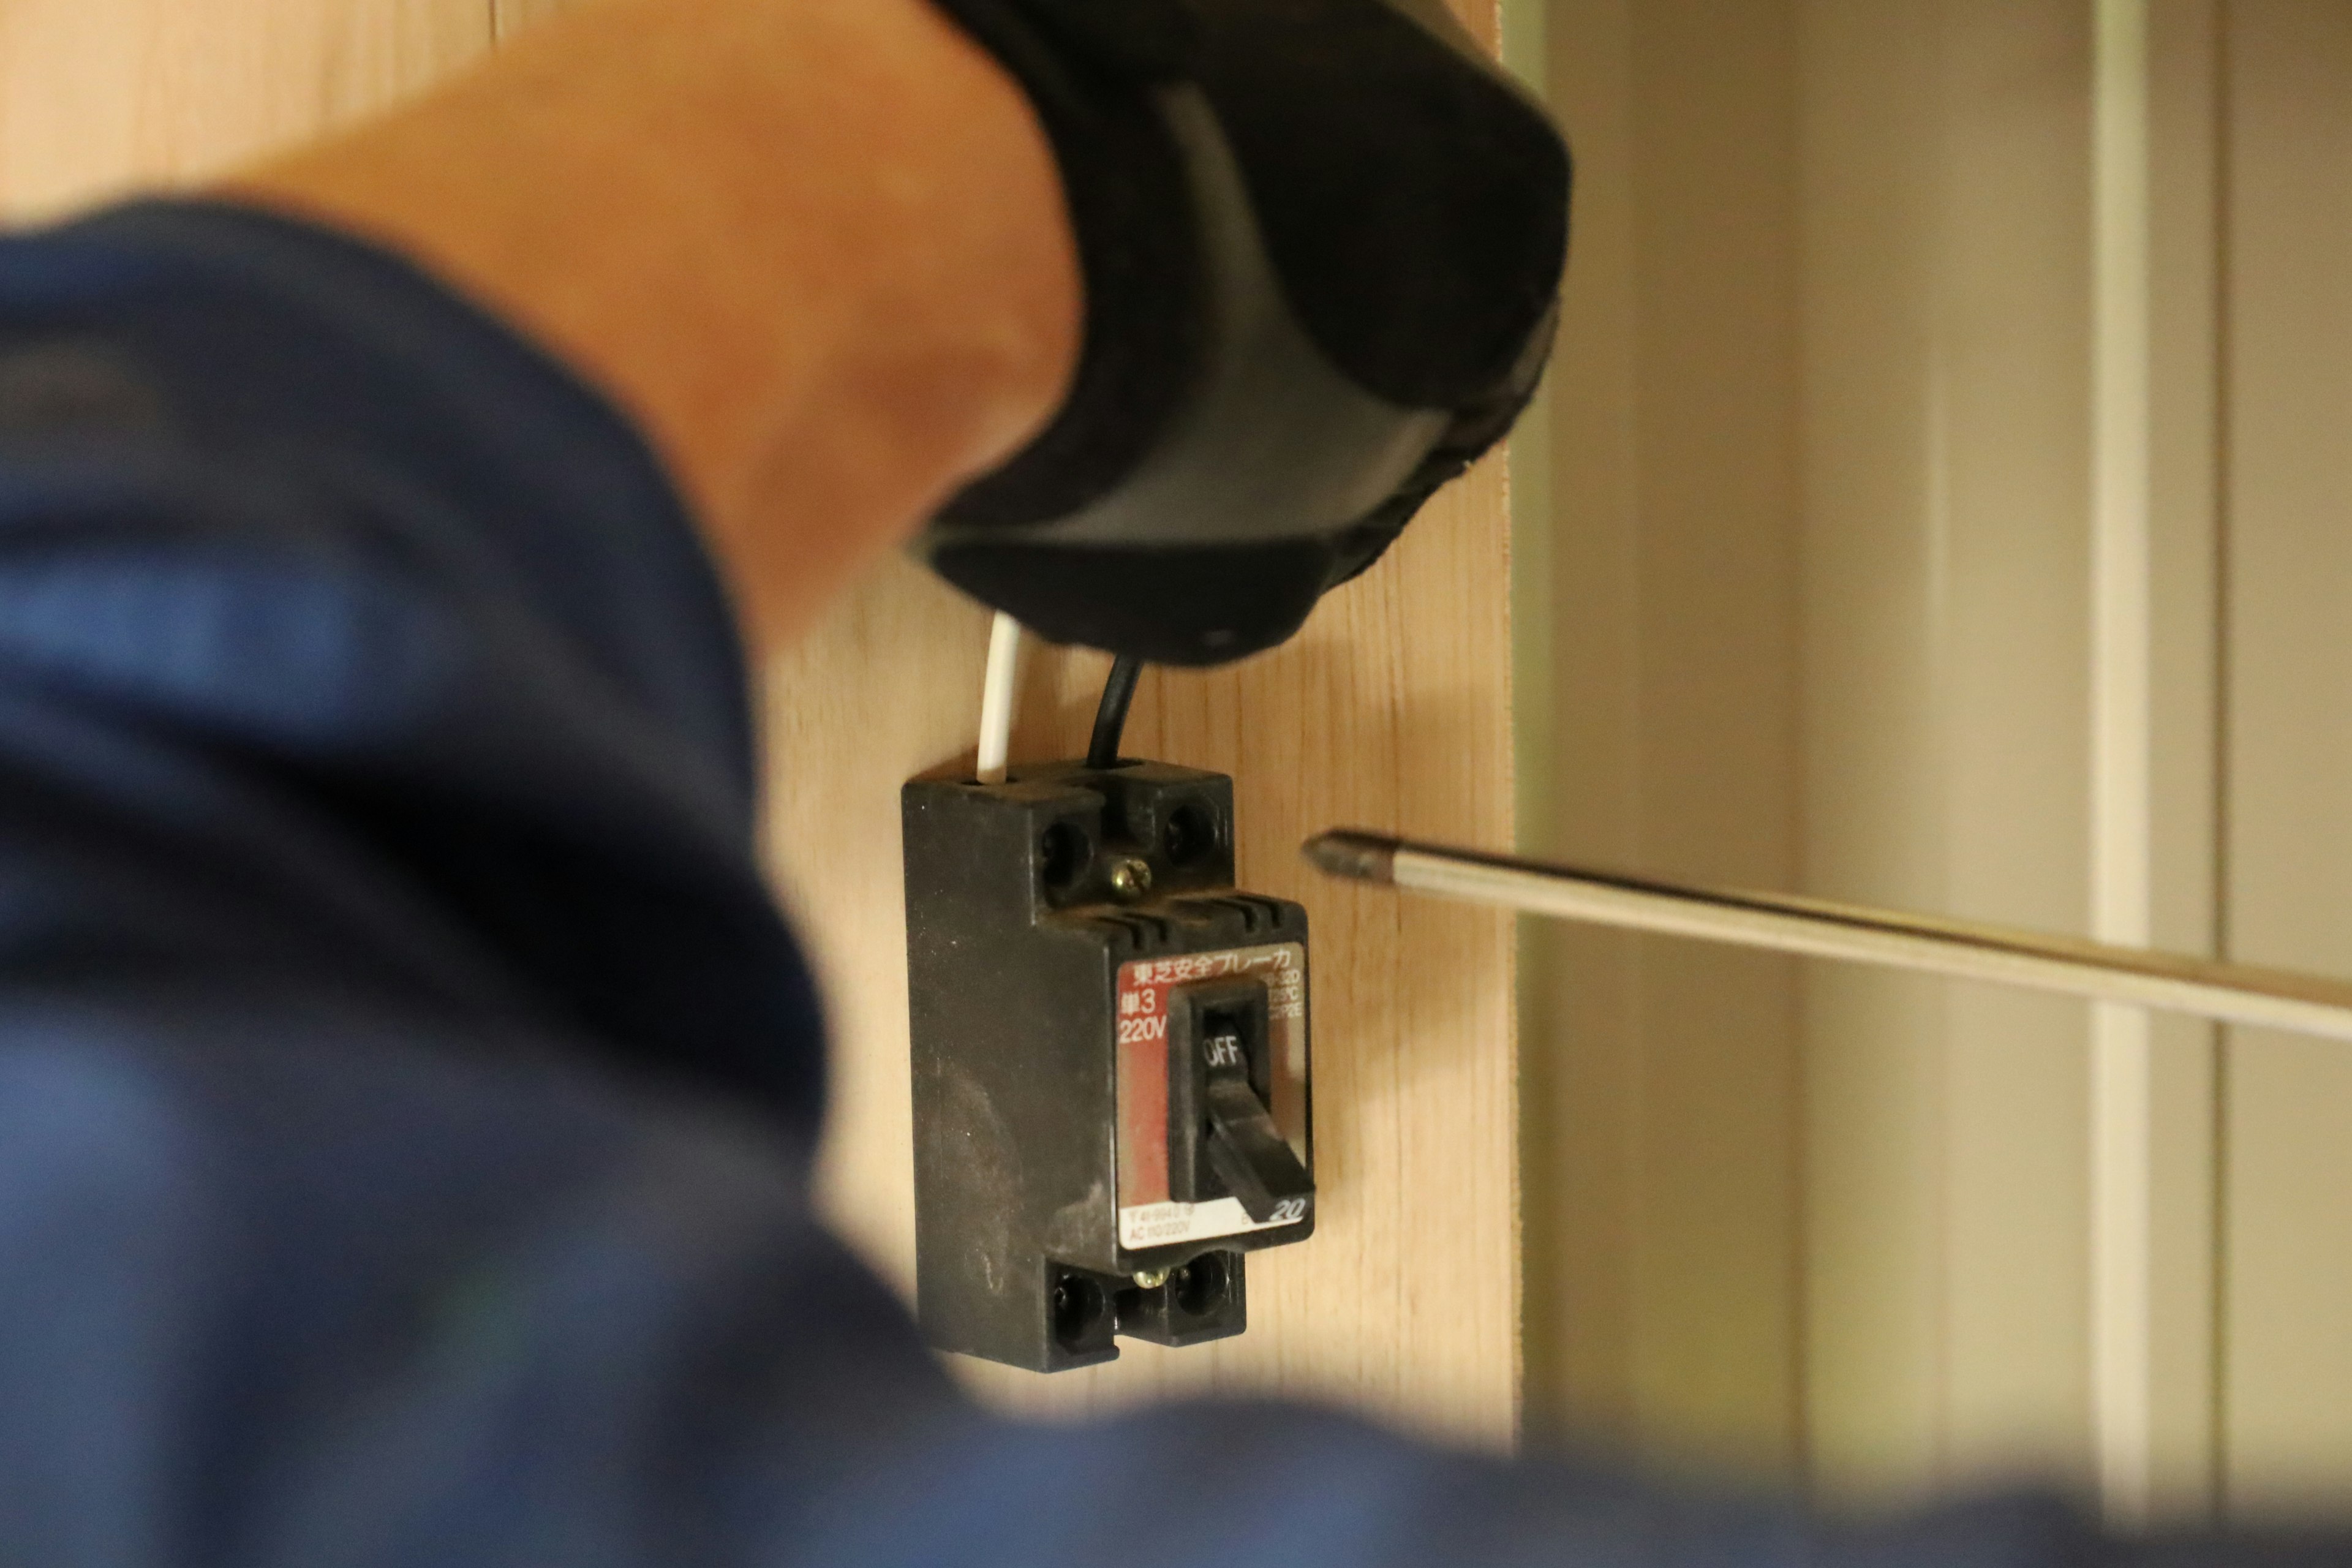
column 405, row 1082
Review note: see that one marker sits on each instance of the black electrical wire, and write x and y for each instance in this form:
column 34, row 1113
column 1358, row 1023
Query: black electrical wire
column 1111, row 719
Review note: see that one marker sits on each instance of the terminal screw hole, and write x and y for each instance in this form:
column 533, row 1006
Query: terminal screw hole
column 1201, row 1285
column 1077, row 1306
column 1063, row 854
column 1190, row 836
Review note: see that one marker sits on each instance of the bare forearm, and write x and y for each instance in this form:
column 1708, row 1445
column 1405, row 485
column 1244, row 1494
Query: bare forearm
column 817, row 249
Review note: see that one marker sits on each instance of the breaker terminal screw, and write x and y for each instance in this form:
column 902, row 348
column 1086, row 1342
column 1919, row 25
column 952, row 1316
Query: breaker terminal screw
column 1130, row 878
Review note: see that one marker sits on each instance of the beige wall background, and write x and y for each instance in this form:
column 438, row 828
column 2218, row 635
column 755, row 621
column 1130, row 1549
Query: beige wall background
column 1807, row 578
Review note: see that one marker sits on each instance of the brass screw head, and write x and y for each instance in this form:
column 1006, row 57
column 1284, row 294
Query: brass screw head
column 1151, row 1278
column 1130, row 878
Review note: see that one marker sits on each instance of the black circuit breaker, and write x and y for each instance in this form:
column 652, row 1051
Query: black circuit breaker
column 1111, row 1063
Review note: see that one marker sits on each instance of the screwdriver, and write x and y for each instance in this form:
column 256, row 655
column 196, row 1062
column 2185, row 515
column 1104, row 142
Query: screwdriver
column 1819, row 927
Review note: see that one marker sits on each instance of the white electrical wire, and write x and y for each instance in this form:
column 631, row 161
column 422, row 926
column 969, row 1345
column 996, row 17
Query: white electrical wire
column 996, row 695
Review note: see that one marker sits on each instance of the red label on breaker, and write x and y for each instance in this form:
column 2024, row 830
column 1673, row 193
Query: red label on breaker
column 1146, row 1216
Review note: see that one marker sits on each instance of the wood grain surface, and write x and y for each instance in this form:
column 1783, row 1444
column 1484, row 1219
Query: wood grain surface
column 1390, row 711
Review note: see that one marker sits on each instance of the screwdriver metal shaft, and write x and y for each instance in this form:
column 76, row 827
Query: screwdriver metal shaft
column 1784, row 923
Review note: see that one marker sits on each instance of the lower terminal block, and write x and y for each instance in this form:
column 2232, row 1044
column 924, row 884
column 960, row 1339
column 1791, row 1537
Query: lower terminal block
column 1111, row 1063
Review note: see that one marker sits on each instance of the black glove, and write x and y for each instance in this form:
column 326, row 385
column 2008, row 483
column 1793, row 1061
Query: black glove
column 1322, row 243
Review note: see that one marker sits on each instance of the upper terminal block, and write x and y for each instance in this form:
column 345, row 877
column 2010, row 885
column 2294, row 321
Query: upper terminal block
column 1082, row 835
column 1110, row 1056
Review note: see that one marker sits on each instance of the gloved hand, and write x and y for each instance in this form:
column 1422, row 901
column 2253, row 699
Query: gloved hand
column 1322, row 242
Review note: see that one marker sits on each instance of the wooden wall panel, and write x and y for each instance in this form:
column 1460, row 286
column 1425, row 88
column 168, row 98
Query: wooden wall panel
column 97, row 96
column 1386, row 711
column 1391, row 713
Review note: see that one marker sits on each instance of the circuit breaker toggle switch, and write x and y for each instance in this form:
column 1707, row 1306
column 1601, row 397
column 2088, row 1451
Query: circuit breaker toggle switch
column 1222, row 1137
column 1109, row 1053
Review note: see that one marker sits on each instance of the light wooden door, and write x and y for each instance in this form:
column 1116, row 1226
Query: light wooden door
column 1390, row 711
